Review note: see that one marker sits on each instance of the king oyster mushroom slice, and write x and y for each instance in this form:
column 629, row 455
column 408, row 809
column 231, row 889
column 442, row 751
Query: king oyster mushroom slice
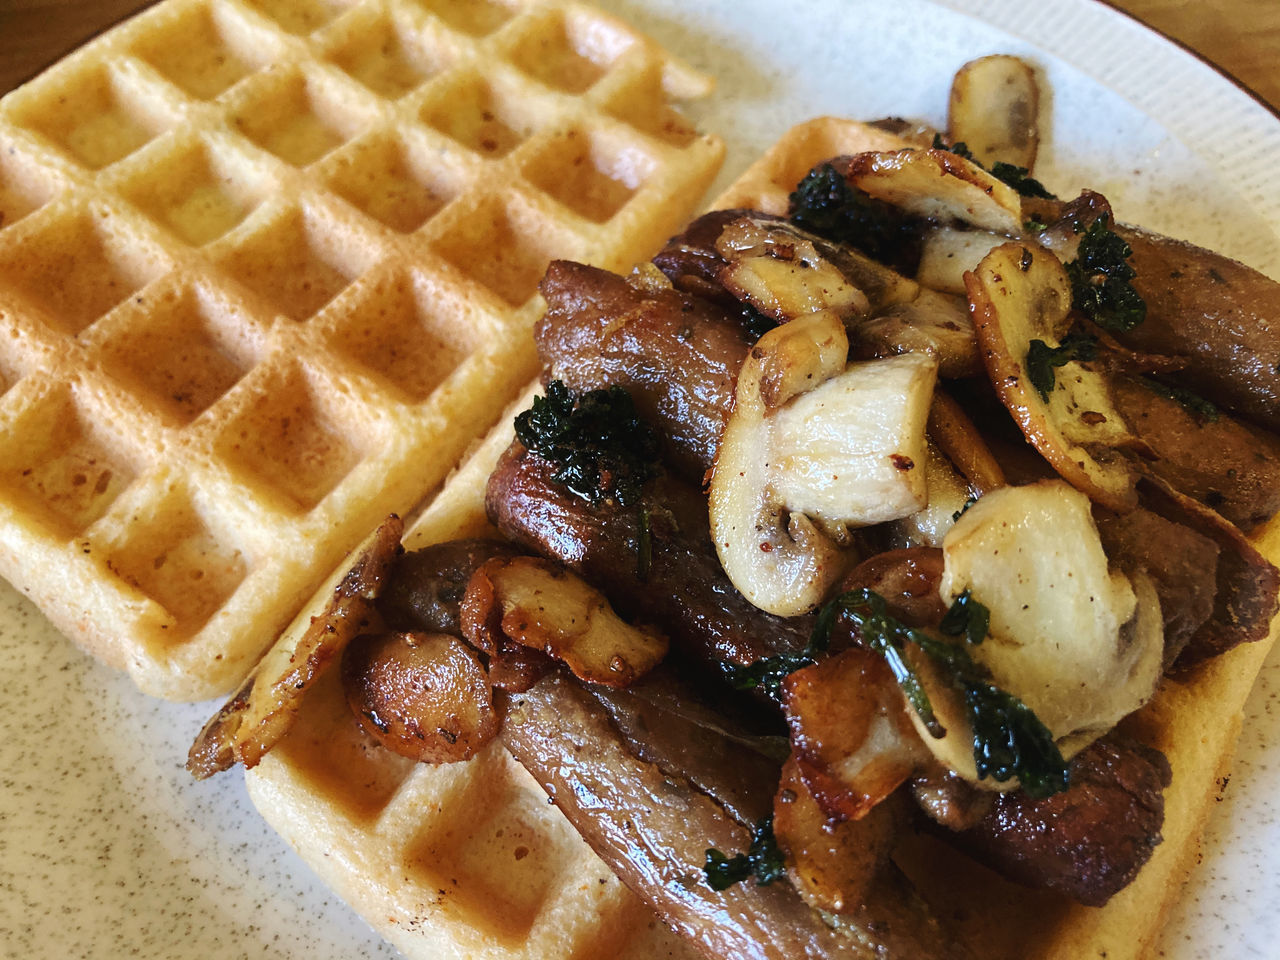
column 1078, row 643
column 994, row 110
column 1018, row 296
column 811, row 449
column 947, row 253
column 940, row 186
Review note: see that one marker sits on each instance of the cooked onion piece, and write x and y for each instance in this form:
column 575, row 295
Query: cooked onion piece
column 1078, row 643
column 1018, row 297
column 851, row 738
column 796, row 470
column 939, row 185
column 541, row 605
column 264, row 708
column 425, row 696
column 778, row 270
column 831, row 864
column 994, row 109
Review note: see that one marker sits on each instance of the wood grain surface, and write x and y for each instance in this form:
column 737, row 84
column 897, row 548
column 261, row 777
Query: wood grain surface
column 1240, row 36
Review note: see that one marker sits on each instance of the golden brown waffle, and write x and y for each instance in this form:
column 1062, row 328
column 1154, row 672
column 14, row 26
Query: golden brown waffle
column 268, row 266
column 469, row 860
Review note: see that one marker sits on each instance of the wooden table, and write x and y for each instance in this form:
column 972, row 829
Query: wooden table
column 1241, row 36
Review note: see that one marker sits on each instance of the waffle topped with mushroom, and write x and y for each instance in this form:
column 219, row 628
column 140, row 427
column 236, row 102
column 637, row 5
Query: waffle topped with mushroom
column 935, row 630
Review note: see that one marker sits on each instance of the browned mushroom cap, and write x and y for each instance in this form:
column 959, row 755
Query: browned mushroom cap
column 263, row 709
column 425, row 696
column 1019, row 298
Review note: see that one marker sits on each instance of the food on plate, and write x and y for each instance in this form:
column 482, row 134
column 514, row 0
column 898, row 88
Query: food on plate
column 266, row 271
column 843, row 721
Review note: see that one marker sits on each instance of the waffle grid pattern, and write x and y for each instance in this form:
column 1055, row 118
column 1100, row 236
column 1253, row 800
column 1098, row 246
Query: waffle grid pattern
column 267, row 267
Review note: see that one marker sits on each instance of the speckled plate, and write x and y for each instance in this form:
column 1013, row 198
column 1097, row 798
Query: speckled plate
column 108, row 849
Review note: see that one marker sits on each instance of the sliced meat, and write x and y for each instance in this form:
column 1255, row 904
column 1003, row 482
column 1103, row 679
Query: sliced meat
column 1248, row 586
column 654, row 830
column 1226, row 465
column 1182, row 565
column 684, row 590
column 1216, row 313
column 1087, row 842
column 425, row 587
column 677, row 355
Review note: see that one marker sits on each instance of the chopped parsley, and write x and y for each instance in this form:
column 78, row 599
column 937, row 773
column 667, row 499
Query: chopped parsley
column 600, row 448
column 1007, row 173
column 763, row 860
column 1008, row 738
column 1042, row 359
column 1100, row 276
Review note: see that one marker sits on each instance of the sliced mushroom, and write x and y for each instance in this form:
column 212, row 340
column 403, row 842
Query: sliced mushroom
column 933, row 323
column 796, row 470
column 1078, row 643
column 957, row 437
column 779, row 271
column 948, row 494
column 994, row 110
column 425, row 696
column 941, row 186
column 261, row 712
column 541, row 605
column 947, row 253
column 1020, row 297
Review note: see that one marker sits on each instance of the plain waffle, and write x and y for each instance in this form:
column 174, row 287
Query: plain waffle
column 267, row 267
column 469, row 860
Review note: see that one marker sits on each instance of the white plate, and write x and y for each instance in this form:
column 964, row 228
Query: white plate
column 108, row 849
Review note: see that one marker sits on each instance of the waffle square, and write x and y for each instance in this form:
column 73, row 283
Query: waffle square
column 358, row 815
column 268, row 266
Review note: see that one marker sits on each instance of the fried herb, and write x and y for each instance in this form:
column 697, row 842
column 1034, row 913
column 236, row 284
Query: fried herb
column 1205, row 409
column 968, row 618
column 1008, row 738
column 763, row 860
column 755, row 323
column 1034, row 225
column 1006, row 173
column 964, row 509
column 1042, row 359
column 824, row 203
column 1100, row 276
column 601, row 449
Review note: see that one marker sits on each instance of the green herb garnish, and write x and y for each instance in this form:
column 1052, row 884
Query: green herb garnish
column 763, row 860
column 1008, row 738
column 966, row 617
column 1100, row 277
column 824, row 203
column 601, row 449
column 1006, row 173
column 1205, row 409
column 1042, row 359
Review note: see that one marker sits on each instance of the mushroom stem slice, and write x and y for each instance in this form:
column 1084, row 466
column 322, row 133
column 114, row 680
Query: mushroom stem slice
column 940, row 186
column 1021, row 303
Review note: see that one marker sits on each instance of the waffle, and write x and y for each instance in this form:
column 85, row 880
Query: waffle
column 468, row 860
column 266, row 268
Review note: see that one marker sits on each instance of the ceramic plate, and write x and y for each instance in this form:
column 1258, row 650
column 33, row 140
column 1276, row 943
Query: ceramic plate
column 108, row 849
